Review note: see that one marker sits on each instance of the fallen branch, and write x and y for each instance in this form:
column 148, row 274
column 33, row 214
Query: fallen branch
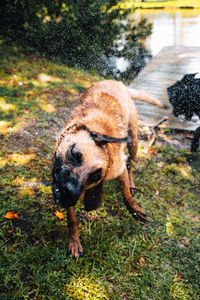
column 39, row 140
column 37, row 184
column 153, row 134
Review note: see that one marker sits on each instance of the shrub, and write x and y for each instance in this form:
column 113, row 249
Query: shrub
column 79, row 32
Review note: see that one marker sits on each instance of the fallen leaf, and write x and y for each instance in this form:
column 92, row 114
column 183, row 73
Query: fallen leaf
column 14, row 70
column 184, row 243
column 11, row 215
column 59, row 215
column 141, row 261
column 7, row 71
column 36, row 242
column 152, row 151
column 160, row 164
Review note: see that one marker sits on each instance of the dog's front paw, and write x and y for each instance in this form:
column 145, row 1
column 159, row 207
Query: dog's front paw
column 139, row 214
column 75, row 248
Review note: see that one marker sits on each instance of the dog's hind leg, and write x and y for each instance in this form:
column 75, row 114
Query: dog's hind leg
column 195, row 142
column 75, row 247
column 136, row 211
column 132, row 149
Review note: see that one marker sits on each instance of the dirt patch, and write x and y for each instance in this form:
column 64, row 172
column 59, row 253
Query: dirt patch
column 41, row 132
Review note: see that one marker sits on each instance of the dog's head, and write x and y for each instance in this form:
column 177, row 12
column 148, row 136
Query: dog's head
column 81, row 162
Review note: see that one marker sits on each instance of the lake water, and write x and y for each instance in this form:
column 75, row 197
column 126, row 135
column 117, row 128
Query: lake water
column 171, row 28
column 176, row 27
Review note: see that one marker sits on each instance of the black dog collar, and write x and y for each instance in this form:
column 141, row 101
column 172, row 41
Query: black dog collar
column 98, row 137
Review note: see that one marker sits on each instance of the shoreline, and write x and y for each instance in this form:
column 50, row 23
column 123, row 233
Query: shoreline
column 179, row 4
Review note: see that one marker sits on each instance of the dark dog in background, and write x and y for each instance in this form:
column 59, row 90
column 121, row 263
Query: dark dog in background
column 90, row 151
column 184, row 95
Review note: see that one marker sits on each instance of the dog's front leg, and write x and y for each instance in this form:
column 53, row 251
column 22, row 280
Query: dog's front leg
column 75, row 247
column 136, row 211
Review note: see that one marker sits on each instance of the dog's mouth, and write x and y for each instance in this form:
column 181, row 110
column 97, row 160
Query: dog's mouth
column 67, row 186
column 63, row 199
column 66, row 195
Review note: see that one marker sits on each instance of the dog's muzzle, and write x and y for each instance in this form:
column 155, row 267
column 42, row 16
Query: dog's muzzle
column 67, row 188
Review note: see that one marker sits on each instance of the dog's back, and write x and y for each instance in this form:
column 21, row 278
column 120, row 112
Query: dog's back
column 109, row 107
column 115, row 89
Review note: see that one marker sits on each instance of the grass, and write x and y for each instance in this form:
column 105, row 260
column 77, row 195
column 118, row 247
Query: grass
column 148, row 4
column 124, row 259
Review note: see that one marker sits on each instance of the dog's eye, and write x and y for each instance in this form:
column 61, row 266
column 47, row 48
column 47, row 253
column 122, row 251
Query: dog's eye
column 94, row 176
column 74, row 157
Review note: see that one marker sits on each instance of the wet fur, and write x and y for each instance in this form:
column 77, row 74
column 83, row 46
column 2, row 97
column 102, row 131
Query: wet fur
column 184, row 95
column 90, row 151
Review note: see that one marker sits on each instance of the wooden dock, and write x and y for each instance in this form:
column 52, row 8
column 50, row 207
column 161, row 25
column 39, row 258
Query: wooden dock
column 168, row 66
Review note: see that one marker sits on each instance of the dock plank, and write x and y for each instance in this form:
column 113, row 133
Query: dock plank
column 168, row 66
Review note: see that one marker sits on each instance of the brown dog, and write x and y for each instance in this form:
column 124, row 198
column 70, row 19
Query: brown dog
column 90, row 151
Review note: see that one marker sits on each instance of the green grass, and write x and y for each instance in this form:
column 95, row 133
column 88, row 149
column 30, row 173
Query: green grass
column 154, row 4
column 124, row 259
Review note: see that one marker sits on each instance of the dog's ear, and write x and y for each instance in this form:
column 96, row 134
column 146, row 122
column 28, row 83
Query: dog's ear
column 101, row 139
column 92, row 198
column 57, row 163
column 188, row 78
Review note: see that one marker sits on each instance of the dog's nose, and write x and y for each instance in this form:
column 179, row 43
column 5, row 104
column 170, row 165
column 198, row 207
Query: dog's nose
column 70, row 185
column 72, row 188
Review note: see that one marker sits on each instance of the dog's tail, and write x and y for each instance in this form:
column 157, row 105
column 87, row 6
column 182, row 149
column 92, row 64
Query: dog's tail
column 145, row 97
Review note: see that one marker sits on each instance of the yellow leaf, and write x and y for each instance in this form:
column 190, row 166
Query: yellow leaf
column 141, row 261
column 11, row 215
column 59, row 215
